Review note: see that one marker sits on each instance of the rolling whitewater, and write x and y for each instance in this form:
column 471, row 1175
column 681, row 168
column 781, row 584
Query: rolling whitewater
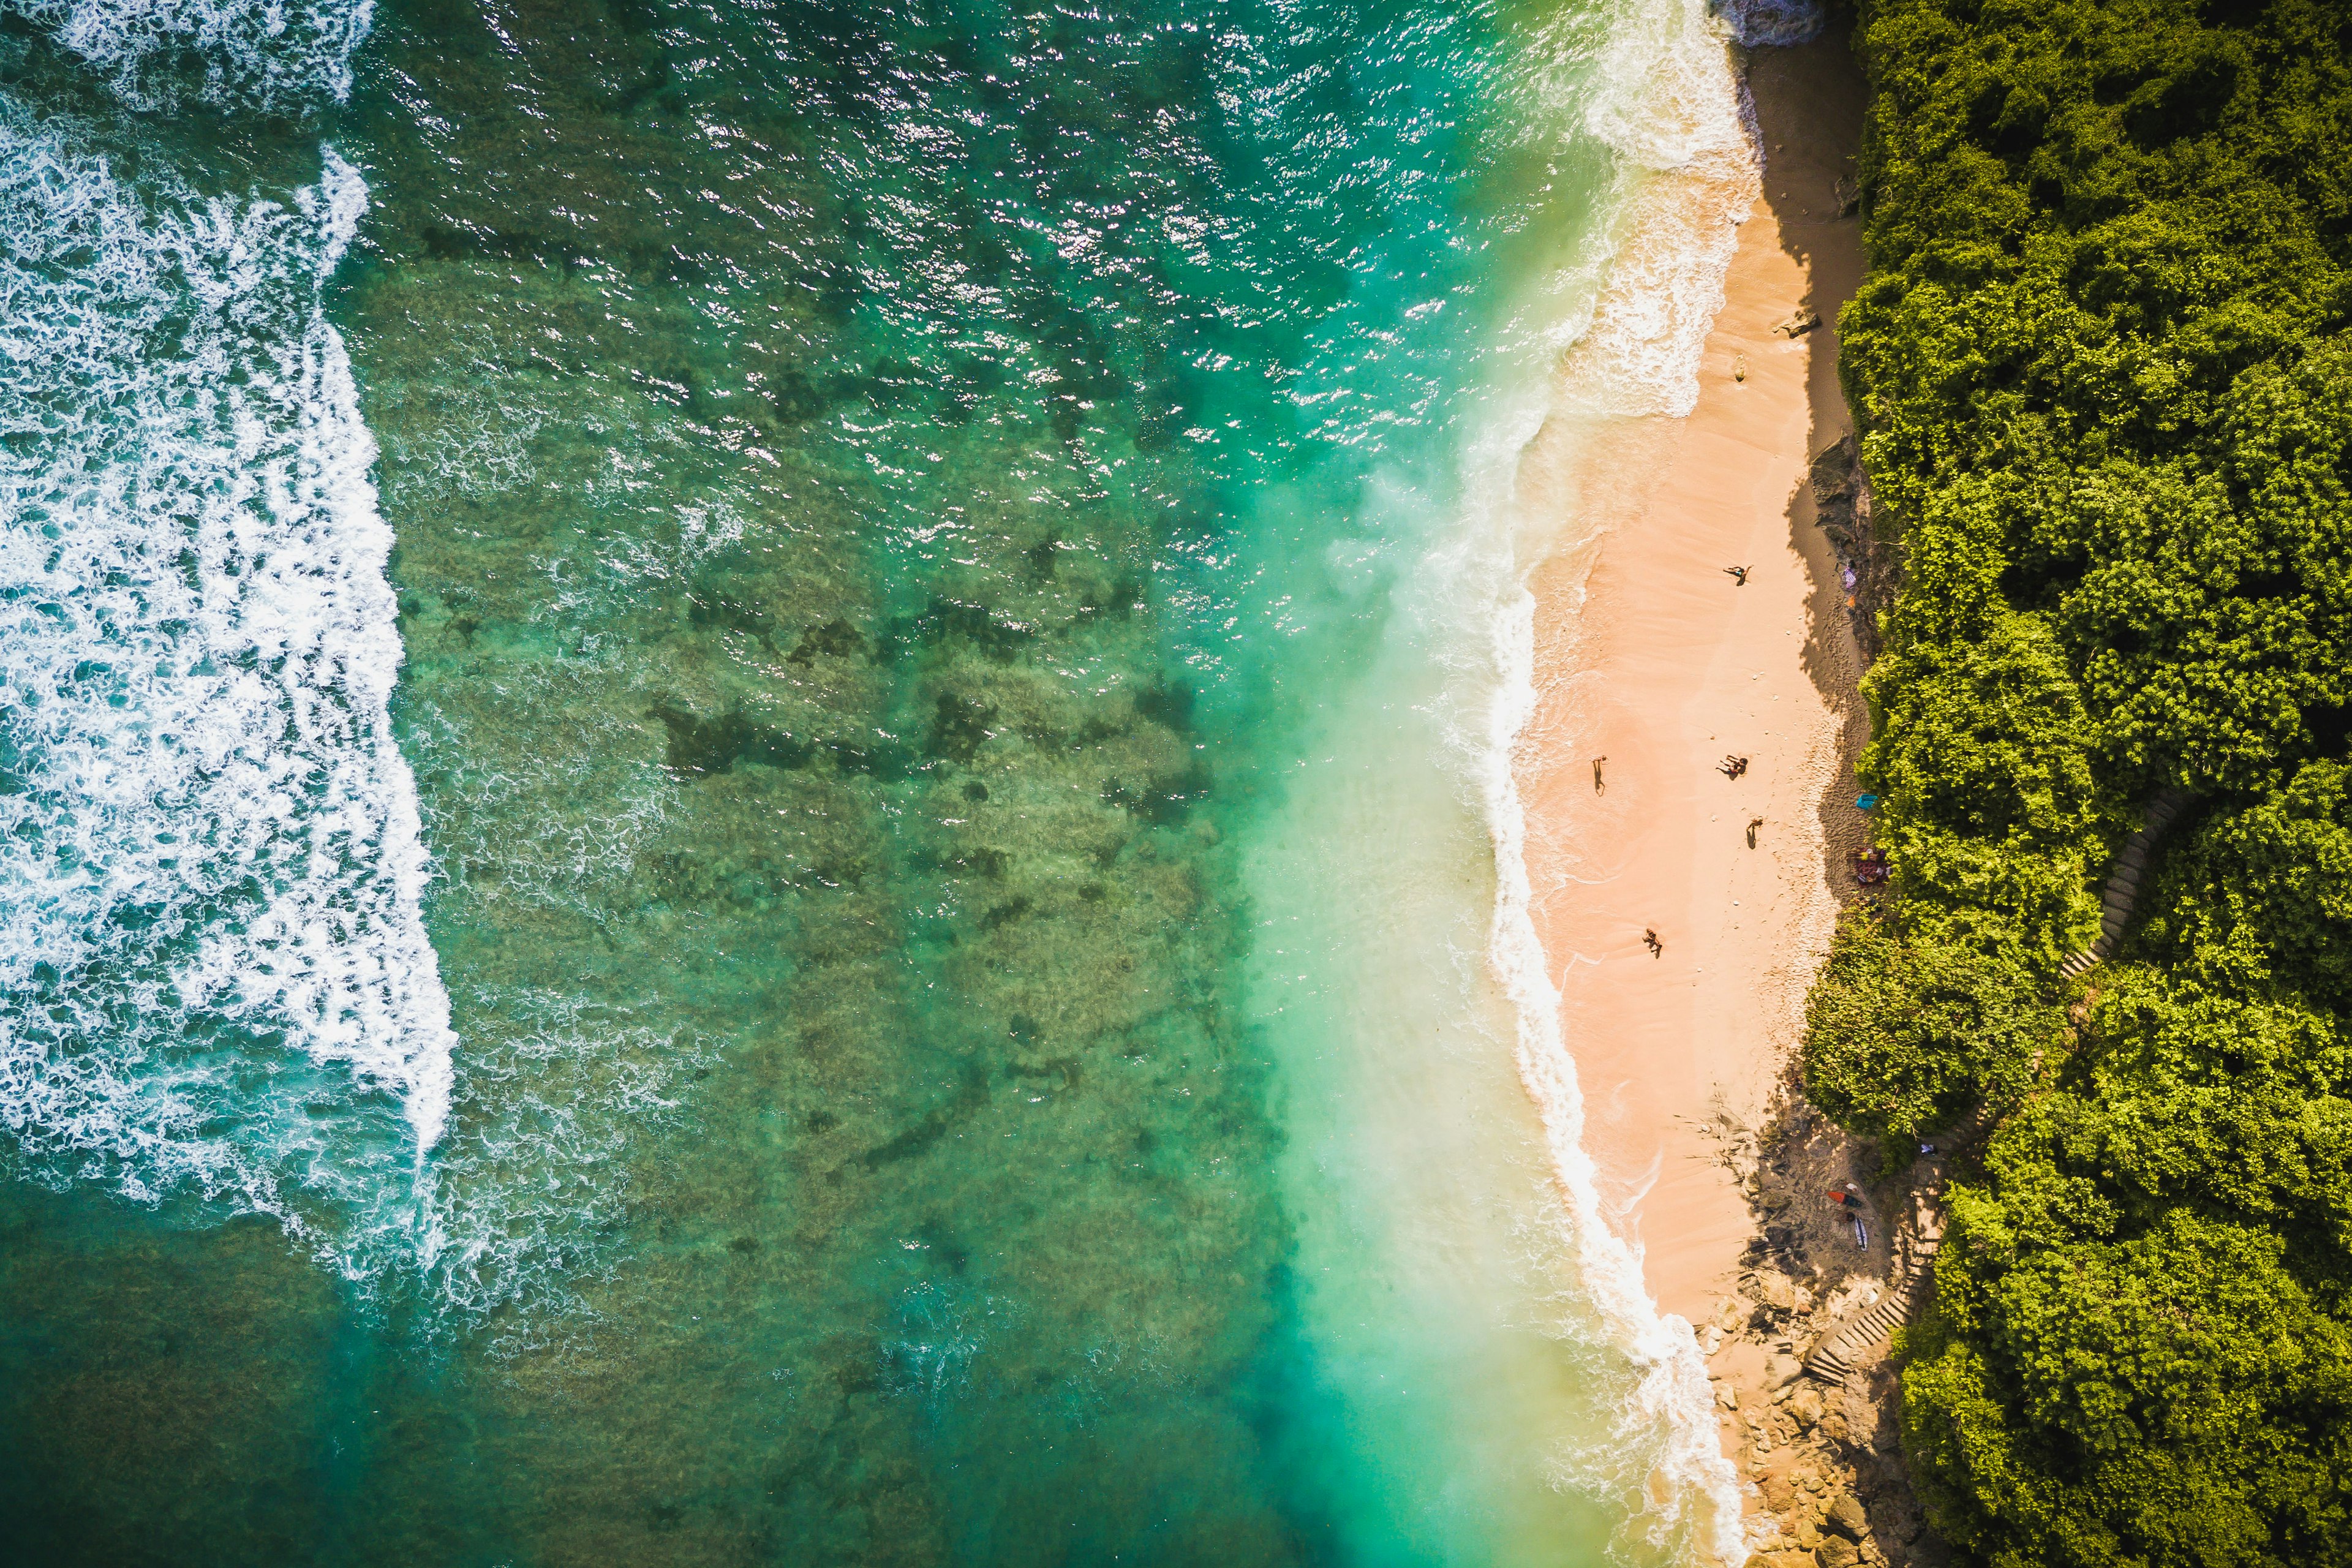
column 756, row 767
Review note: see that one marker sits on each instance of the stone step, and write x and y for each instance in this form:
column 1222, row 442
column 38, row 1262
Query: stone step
column 2120, row 891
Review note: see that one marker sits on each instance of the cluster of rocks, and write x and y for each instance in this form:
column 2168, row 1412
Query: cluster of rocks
column 1822, row 1454
column 1828, row 1479
column 1870, row 569
column 1786, row 1408
column 1823, row 1523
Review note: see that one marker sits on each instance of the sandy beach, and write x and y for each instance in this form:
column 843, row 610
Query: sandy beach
column 1653, row 658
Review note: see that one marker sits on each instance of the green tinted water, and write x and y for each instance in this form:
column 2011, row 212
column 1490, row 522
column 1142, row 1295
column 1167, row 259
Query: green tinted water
column 949, row 563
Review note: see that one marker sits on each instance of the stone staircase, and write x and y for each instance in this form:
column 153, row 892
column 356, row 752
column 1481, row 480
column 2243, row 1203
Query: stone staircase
column 2124, row 879
column 1842, row 1351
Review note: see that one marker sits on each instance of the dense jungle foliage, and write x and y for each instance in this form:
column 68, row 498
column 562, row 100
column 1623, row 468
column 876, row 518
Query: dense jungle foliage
column 2104, row 367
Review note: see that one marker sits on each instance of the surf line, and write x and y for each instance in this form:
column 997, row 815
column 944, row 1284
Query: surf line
column 1673, row 109
column 217, row 917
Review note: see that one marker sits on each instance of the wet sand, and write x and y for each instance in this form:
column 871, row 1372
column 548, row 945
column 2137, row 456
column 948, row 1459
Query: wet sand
column 1650, row 654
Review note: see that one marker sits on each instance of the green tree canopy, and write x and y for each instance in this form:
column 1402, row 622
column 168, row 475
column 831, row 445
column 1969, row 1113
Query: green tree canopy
column 1906, row 1035
column 2103, row 365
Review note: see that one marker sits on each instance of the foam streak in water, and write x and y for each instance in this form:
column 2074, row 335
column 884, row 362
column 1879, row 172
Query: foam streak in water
column 1680, row 123
column 1693, row 1493
column 280, row 53
column 1678, row 119
column 215, row 977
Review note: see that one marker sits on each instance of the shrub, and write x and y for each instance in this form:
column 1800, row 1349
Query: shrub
column 1906, row 1036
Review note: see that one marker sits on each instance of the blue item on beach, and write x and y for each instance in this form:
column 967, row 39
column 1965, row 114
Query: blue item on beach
column 1866, row 802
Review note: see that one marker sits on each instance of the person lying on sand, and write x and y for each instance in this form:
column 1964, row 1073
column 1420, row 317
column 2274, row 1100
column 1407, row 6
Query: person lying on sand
column 1650, row 939
column 1737, row 573
column 1753, row 824
column 1732, row 767
column 1596, row 776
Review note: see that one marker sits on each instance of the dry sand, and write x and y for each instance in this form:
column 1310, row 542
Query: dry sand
column 1649, row 655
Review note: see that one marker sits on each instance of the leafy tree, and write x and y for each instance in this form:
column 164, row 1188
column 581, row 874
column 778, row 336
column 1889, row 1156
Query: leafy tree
column 2103, row 363
column 2264, row 897
column 1906, row 1036
column 2174, row 1397
column 1983, row 763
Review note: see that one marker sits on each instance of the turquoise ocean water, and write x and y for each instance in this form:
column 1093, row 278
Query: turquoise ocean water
column 753, row 765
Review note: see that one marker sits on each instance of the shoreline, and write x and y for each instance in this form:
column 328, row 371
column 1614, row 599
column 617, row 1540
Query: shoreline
column 1652, row 657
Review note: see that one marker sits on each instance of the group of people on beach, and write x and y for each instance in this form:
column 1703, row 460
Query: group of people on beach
column 1731, row 767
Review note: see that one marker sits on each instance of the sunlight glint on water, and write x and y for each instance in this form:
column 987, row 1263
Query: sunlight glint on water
column 956, row 571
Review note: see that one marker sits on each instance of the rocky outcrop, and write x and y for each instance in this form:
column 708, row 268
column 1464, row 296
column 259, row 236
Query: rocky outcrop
column 1870, row 570
column 1823, row 1455
column 1824, row 1514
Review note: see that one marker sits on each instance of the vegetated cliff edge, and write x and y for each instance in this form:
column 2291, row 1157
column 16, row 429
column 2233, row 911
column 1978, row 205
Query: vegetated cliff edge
column 2102, row 366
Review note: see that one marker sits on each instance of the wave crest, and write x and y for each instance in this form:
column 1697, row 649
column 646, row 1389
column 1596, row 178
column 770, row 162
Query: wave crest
column 215, row 977
column 1677, row 117
column 278, row 54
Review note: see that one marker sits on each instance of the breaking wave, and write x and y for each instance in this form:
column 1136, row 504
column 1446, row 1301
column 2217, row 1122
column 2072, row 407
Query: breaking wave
column 214, row 978
column 1671, row 108
column 281, row 54
column 1678, row 118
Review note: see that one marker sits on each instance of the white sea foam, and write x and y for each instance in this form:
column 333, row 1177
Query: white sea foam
column 518, row 1212
column 282, row 54
column 1667, row 1423
column 1673, row 110
column 1668, row 103
column 214, row 978
column 1658, row 1456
